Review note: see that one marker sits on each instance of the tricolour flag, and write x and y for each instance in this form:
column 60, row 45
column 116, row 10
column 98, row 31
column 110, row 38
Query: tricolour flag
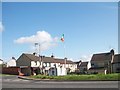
column 62, row 38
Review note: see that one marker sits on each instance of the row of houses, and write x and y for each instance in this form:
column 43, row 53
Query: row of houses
column 31, row 64
column 108, row 62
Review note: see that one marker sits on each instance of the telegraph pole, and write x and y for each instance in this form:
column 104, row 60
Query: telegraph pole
column 40, row 64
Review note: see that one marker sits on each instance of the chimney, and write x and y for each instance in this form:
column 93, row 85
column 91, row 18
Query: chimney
column 52, row 55
column 65, row 58
column 13, row 58
column 34, row 53
column 80, row 62
column 112, row 52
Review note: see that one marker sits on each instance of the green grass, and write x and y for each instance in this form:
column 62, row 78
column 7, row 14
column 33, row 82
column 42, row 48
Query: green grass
column 80, row 77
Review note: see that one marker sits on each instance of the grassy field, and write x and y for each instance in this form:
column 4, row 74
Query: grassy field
column 80, row 77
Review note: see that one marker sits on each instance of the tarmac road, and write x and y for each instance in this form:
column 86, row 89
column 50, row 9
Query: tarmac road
column 15, row 82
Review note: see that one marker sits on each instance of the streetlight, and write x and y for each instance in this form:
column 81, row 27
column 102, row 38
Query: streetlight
column 40, row 65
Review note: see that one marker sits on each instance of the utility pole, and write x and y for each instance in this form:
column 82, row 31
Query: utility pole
column 40, row 64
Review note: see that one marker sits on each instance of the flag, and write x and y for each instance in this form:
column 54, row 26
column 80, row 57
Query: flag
column 62, row 38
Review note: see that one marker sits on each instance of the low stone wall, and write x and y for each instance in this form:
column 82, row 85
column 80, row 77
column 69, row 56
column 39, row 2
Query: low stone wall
column 10, row 70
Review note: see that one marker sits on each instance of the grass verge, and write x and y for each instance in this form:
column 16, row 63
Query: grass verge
column 80, row 77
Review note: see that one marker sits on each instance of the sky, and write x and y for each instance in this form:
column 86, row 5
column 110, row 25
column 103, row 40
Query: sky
column 88, row 28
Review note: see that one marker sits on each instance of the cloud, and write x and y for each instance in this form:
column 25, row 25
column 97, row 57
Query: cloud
column 42, row 37
column 1, row 27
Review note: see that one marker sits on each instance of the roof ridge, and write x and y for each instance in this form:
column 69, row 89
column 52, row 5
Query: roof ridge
column 27, row 56
column 102, row 53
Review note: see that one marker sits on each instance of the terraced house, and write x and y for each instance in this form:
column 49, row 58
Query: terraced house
column 82, row 67
column 31, row 64
column 105, row 63
column 116, row 64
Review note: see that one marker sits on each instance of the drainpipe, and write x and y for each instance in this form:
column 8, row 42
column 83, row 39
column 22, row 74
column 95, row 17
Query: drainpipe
column 112, row 63
column 111, row 66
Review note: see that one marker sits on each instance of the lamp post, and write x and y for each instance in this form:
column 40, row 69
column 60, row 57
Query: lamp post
column 40, row 65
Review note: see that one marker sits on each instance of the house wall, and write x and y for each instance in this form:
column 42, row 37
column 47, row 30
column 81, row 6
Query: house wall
column 99, row 63
column 26, row 71
column 35, row 63
column 47, row 64
column 82, row 68
column 23, row 61
column 11, row 63
column 61, row 71
column 55, row 64
column 116, row 68
column 72, row 67
column 1, row 62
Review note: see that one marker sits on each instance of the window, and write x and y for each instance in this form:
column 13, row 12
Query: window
column 44, row 64
column 36, row 62
column 49, row 64
column 106, row 64
column 53, row 72
column 95, row 65
column 92, row 64
column 61, row 70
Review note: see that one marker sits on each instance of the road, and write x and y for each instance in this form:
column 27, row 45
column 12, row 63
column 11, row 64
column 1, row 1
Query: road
column 14, row 82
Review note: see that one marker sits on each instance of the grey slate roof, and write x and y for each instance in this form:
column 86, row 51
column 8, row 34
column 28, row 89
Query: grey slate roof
column 83, row 64
column 101, row 56
column 47, row 59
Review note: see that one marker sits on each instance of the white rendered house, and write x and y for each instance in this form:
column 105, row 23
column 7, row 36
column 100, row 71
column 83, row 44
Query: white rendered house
column 11, row 63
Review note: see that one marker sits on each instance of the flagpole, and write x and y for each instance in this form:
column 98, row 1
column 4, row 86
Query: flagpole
column 65, row 54
column 62, row 39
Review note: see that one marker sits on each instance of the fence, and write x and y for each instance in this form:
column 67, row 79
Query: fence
column 10, row 70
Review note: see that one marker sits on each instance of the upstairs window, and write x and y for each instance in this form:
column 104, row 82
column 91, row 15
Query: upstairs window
column 92, row 65
column 35, row 62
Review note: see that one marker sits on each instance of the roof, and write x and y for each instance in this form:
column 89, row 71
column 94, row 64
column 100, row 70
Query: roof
column 62, row 61
column 31, row 57
column 1, row 60
column 78, row 62
column 47, row 59
column 101, row 57
column 83, row 64
column 116, row 58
